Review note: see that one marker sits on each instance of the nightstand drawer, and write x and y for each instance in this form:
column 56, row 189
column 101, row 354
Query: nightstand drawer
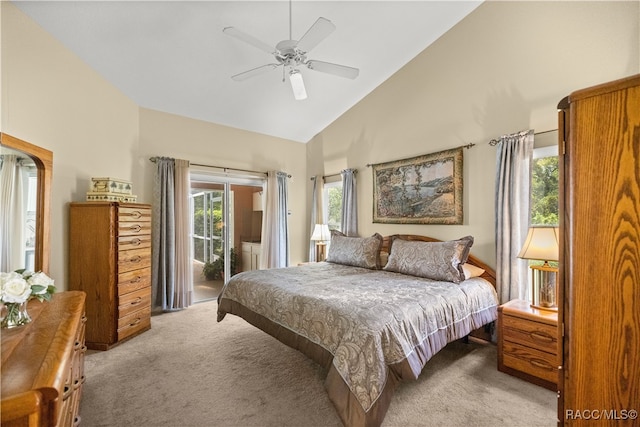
column 525, row 359
column 537, row 335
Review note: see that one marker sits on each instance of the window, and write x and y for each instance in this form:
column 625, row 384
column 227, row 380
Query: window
column 333, row 204
column 544, row 186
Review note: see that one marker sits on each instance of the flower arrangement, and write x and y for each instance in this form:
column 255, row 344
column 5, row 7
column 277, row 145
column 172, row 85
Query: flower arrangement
column 18, row 287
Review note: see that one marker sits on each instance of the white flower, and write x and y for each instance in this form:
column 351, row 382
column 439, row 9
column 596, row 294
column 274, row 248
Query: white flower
column 39, row 282
column 14, row 288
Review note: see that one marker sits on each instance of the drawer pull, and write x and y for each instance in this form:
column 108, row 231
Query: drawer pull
column 66, row 392
column 136, row 258
column 136, row 214
column 136, row 279
column 134, row 323
column 541, row 364
column 136, row 242
column 135, row 227
column 541, row 336
column 136, row 301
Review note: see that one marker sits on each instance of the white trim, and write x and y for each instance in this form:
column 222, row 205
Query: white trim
column 542, row 152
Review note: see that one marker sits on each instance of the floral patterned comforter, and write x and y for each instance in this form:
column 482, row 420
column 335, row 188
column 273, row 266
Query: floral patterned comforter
column 367, row 319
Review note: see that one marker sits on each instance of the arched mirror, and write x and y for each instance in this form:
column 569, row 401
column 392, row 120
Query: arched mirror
column 25, row 197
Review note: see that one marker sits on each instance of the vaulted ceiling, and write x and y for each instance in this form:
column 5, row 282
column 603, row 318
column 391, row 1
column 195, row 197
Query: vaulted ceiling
column 172, row 56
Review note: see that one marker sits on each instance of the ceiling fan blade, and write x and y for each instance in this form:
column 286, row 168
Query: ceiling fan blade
column 335, row 69
column 234, row 32
column 314, row 35
column 254, row 72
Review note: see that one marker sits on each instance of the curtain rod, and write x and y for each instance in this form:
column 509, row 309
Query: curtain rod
column 224, row 168
column 331, row 175
column 495, row 142
column 467, row 146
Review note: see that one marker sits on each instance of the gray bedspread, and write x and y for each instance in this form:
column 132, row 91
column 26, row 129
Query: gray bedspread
column 367, row 319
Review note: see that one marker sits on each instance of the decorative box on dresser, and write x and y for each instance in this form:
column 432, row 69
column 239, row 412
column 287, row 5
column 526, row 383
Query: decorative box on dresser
column 528, row 343
column 110, row 260
column 43, row 364
column 599, row 278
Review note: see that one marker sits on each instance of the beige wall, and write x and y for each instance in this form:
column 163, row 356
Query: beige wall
column 52, row 99
column 502, row 69
column 163, row 134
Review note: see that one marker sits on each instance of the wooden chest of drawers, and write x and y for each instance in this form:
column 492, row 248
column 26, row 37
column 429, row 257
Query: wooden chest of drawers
column 43, row 364
column 110, row 259
column 528, row 343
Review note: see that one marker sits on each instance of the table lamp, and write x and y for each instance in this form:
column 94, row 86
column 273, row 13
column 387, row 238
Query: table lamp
column 542, row 244
column 320, row 235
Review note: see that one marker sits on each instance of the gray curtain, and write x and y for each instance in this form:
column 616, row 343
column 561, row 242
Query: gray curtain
column 172, row 282
column 513, row 188
column 349, row 220
column 316, row 213
column 183, row 292
column 275, row 226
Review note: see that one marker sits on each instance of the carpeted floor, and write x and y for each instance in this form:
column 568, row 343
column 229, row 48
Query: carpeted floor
column 189, row 370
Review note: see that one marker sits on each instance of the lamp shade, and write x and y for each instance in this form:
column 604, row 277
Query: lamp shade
column 321, row 233
column 541, row 244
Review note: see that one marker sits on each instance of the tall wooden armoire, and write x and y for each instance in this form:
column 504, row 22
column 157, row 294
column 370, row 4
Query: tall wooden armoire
column 110, row 260
column 599, row 317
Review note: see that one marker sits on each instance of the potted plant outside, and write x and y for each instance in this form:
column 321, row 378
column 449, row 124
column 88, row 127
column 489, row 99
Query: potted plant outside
column 214, row 270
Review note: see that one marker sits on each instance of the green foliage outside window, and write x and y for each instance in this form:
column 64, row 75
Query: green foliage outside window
column 213, row 216
column 544, row 191
column 334, row 207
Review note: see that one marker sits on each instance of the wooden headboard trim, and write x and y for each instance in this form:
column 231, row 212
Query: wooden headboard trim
column 489, row 273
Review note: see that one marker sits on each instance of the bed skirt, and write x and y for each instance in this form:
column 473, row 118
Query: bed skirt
column 347, row 406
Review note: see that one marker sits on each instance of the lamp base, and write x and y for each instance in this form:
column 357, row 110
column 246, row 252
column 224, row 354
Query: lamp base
column 539, row 307
column 544, row 287
column 321, row 249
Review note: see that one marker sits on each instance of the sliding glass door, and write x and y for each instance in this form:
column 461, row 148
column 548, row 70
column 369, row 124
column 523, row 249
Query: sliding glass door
column 227, row 221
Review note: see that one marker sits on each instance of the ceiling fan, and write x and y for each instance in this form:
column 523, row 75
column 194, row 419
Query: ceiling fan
column 292, row 54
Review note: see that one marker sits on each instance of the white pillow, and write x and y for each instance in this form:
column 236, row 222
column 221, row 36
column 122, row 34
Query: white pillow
column 471, row 270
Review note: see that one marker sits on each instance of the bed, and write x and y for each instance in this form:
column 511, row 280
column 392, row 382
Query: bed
column 372, row 315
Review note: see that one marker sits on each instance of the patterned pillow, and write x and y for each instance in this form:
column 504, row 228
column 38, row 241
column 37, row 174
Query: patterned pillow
column 355, row 251
column 432, row 260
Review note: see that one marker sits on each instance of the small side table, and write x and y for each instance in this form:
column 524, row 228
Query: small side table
column 528, row 343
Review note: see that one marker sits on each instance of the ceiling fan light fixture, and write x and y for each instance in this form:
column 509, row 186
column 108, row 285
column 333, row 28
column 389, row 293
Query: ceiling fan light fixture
column 292, row 54
column 297, row 84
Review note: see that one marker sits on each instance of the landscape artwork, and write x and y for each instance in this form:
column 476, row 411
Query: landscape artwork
column 421, row 190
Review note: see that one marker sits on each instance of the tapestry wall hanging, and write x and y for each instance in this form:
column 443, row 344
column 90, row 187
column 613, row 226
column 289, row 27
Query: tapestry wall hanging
column 421, row 190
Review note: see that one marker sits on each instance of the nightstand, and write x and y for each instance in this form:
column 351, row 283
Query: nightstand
column 528, row 343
